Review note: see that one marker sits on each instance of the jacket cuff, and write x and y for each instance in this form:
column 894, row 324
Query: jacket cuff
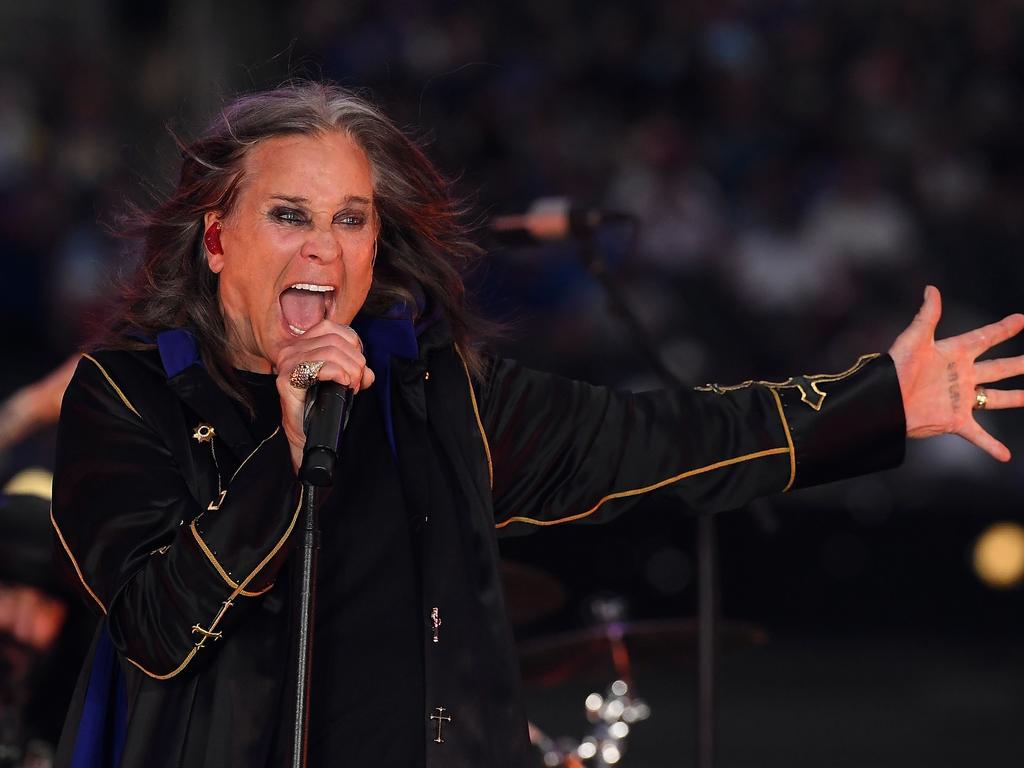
column 847, row 424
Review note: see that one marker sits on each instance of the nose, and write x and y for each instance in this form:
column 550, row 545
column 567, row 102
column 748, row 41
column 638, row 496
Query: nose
column 322, row 245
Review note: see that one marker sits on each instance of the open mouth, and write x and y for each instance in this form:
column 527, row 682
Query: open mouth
column 306, row 304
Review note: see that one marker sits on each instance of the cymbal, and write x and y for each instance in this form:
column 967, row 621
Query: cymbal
column 558, row 658
column 530, row 593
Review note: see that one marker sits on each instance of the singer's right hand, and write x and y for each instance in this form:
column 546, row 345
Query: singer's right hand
column 340, row 349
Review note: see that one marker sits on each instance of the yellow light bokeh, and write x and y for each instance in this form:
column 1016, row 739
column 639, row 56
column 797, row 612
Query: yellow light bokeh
column 31, row 482
column 999, row 555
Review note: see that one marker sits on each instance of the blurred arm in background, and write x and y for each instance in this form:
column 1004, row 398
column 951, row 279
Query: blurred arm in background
column 34, row 406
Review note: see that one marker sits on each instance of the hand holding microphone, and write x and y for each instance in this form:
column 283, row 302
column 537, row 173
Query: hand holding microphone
column 317, row 376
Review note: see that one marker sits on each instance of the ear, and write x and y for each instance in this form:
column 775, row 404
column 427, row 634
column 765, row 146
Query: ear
column 211, row 241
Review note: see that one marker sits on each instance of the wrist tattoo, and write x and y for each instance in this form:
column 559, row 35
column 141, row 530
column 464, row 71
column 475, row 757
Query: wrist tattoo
column 954, row 385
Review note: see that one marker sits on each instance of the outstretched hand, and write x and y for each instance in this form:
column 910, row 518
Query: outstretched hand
column 940, row 379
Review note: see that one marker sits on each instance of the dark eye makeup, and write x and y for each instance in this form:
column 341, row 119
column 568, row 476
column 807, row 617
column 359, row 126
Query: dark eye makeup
column 295, row 216
column 288, row 215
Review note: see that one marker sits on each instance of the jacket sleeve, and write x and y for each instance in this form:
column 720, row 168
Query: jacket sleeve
column 165, row 572
column 562, row 450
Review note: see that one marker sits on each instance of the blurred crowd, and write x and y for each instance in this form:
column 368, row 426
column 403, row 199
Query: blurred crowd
column 795, row 165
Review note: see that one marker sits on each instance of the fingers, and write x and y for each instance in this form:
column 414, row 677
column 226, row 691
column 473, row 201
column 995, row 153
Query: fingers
column 328, row 328
column 348, row 373
column 981, row 339
column 342, row 364
column 340, row 349
column 988, row 371
column 999, row 399
column 975, row 434
column 368, row 378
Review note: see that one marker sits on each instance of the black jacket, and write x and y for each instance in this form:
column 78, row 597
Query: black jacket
column 193, row 579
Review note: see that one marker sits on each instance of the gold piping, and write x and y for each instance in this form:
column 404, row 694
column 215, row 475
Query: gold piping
column 228, row 603
column 789, row 440
column 264, row 441
column 479, row 422
column 171, row 674
column 74, row 562
column 280, row 543
column 216, row 564
column 646, row 489
column 202, row 544
column 110, row 381
column 799, row 383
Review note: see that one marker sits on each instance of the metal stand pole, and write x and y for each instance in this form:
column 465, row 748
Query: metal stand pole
column 308, row 552
column 327, row 407
column 707, row 625
column 707, row 578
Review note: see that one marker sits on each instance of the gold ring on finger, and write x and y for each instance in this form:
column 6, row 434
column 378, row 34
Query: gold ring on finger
column 980, row 399
column 304, row 374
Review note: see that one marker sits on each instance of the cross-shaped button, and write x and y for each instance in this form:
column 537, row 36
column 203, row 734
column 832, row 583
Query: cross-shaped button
column 441, row 718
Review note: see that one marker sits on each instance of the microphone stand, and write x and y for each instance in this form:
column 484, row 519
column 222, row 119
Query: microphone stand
column 308, row 553
column 317, row 470
column 707, row 576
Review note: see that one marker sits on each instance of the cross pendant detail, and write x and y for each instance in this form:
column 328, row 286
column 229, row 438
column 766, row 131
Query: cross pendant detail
column 435, row 622
column 441, row 718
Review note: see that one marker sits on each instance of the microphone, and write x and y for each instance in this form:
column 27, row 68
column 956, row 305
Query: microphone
column 327, row 408
column 551, row 219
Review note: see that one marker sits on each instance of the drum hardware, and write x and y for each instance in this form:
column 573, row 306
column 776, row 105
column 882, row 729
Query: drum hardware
column 611, row 716
column 616, row 643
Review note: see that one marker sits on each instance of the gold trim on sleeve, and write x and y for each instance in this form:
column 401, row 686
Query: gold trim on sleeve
column 220, row 569
column 807, row 386
column 479, row 421
column 789, row 440
column 239, row 589
column 170, row 674
column 647, row 489
column 110, row 381
column 215, row 506
column 254, row 451
column 74, row 562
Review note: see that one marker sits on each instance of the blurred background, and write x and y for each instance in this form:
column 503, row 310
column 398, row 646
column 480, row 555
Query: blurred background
column 801, row 170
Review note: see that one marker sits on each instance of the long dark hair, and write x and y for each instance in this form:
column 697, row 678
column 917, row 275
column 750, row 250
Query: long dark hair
column 423, row 243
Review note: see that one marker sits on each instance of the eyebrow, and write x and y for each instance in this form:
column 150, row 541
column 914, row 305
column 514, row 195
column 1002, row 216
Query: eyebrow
column 305, row 200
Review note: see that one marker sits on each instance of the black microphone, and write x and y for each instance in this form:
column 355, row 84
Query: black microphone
column 551, row 219
column 327, row 408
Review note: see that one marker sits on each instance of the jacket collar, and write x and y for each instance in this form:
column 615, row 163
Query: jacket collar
column 190, row 381
column 393, row 335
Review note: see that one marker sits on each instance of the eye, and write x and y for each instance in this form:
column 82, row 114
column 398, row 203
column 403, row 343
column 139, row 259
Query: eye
column 350, row 219
column 289, row 215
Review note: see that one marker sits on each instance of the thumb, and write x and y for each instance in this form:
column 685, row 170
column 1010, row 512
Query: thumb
column 927, row 317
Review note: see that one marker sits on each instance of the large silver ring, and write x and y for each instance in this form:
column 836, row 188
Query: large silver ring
column 304, row 374
column 980, row 399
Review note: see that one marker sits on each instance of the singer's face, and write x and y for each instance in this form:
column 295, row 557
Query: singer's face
column 298, row 243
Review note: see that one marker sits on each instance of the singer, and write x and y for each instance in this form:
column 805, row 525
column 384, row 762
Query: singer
column 307, row 239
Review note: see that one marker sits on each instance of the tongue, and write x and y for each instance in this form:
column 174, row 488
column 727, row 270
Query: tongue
column 303, row 309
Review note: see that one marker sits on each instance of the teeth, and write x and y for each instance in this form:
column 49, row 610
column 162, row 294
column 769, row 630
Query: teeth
column 296, row 331
column 313, row 287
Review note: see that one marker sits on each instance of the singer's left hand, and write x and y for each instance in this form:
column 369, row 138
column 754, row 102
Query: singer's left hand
column 940, row 379
column 342, row 353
